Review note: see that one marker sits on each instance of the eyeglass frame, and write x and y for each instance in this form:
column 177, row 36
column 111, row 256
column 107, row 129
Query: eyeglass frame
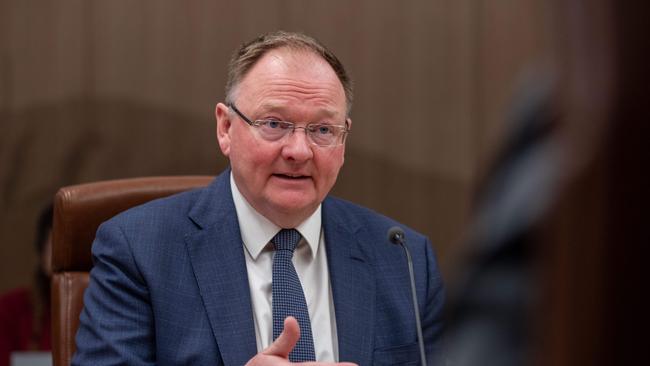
column 345, row 129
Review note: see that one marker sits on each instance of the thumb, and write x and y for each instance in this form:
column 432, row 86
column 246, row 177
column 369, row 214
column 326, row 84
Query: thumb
column 285, row 342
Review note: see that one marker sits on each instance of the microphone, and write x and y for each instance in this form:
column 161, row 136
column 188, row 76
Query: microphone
column 396, row 236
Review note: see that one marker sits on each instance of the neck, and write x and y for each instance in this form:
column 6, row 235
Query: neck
column 287, row 220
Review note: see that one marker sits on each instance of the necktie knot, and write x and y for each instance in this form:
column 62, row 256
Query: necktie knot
column 286, row 239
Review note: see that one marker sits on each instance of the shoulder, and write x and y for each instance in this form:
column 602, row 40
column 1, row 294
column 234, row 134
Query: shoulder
column 352, row 210
column 164, row 220
column 363, row 218
column 152, row 225
column 144, row 244
column 162, row 209
column 182, row 210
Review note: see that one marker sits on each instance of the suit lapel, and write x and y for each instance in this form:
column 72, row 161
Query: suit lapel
column 217, row 257
column 353, row 287
column 219, row 265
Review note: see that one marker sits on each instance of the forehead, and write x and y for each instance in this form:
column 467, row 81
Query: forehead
column 297, row 78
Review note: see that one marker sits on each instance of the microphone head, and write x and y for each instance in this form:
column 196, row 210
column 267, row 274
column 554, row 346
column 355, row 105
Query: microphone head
column 396, row 235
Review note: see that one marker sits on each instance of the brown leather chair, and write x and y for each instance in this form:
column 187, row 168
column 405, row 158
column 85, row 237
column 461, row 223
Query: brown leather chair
column 78, row 211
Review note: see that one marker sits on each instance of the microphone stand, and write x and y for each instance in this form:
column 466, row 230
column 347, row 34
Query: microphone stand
column 396, row 236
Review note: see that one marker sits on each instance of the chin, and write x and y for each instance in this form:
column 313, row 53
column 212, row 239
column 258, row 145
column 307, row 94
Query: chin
column 290, row 205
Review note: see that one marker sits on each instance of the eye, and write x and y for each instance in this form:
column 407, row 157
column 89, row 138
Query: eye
column 272, row 123
column 322, row 129
column 275, row 125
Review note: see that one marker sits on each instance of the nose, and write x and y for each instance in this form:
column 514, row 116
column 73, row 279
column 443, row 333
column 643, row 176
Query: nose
column 297, row 146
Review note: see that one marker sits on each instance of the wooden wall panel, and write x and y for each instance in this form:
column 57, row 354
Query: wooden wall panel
column 105, row 89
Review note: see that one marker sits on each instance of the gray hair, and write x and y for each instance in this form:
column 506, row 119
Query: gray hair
column 249, row 53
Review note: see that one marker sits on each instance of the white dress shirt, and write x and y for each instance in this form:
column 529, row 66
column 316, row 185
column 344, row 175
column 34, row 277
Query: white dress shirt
column 310, row 260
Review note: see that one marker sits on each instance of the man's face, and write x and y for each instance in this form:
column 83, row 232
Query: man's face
column 284, row 180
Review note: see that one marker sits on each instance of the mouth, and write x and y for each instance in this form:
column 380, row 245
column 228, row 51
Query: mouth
column 290, row 176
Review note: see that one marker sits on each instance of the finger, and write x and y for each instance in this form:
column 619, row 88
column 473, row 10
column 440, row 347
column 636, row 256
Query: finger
column 285, row 342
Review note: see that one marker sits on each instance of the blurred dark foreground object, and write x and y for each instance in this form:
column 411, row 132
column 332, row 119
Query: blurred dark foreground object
column 496, row 287
column 552, row 271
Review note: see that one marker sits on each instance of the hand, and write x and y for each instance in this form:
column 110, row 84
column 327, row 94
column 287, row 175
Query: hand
column 277, row 354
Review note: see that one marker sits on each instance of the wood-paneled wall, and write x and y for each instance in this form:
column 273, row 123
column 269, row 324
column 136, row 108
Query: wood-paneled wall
column 94, row 90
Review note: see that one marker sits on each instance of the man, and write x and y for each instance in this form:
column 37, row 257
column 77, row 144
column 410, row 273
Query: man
column 207, row 277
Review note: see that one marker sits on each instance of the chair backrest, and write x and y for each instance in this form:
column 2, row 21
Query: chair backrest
column 78, row 211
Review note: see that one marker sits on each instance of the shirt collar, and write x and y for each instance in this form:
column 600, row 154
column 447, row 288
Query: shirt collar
column 257, row 231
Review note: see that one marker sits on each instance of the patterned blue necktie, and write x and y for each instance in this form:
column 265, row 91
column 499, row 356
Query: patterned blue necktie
column 288, row 297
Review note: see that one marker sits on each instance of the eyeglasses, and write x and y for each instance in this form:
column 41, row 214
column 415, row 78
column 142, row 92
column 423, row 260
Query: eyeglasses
column 320, row 134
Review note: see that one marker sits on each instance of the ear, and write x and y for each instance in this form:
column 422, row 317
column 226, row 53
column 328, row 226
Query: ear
column 348, row 124
column 223, row 127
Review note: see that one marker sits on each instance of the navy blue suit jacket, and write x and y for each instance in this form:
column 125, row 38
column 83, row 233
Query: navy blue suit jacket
column 170, row 286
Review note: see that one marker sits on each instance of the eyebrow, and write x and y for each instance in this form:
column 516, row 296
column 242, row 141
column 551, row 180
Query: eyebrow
column 273, row 107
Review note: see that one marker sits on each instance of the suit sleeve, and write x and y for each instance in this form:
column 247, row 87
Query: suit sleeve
column 432, row 316
column 116, row 325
